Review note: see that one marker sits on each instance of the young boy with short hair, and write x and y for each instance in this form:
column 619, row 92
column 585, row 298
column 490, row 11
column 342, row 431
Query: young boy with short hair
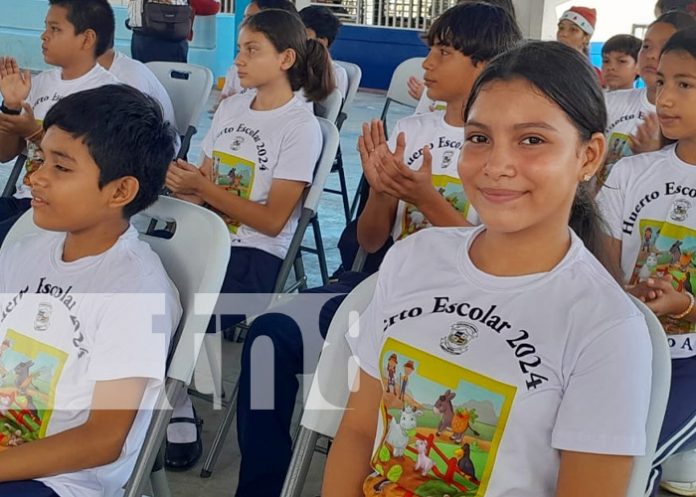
column 323, row 25
column 620, row 62
column 76, row 33
column 85, row 358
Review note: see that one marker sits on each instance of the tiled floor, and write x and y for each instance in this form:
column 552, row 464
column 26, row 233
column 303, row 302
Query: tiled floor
column 224, row 480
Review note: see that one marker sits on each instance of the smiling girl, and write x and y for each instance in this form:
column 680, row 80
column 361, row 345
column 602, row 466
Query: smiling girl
column 524, row 383
column 648, row 205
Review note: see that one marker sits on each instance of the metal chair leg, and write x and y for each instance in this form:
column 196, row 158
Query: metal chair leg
column 356, row 198
column 299, row 464
column 158, row 477
column 300, row 275
column 221, row 435
column 321, row 254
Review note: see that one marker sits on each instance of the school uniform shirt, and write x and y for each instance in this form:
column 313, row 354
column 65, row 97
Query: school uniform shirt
column 136, row 74
column 445, row 142
column 251, row 148
column 649, row 204
column 65, row 326
column 426, row 104
column 503, row 372
column 627, row 109
column 46, row 89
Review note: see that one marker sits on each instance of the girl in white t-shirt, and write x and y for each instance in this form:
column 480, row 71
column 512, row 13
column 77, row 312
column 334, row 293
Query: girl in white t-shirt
column 259, row 156
column 521, row 382
column 648, row 205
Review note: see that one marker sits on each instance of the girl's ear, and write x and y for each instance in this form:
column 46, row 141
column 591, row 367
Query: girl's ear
column 287, row 59
column 593, row 154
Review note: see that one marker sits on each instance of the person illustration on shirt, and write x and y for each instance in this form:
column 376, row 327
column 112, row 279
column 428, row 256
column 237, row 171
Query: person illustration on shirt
column 409, row 368
column 391, row 373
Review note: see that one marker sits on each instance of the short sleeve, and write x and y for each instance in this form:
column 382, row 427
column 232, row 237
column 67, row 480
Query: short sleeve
column 366, row 342
column 132, row 336
column 299, row 151
column 209, row 140
column 611, row 200
column 607, row 393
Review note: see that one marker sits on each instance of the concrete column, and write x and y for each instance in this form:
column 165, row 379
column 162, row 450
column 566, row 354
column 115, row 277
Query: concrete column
column 537, row 18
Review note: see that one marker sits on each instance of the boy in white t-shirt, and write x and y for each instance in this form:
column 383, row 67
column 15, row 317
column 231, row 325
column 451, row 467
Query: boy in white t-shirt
column 632, row 125
column 86, row 325
column 77, row 32
column 648, row 204
column 323, row 25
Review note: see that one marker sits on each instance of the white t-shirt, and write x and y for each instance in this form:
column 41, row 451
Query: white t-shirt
column 136, row 74
column 46, row 89
column 626, row 110
column 445, row 142
column 66, row 326
column 251, row 148
column 647, row 204
column 501, row 373
column 426, row 104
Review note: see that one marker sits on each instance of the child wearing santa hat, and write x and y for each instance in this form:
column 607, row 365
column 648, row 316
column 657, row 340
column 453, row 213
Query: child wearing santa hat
column 575, row 28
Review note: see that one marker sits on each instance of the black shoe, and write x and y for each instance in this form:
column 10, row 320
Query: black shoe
column 183, row 456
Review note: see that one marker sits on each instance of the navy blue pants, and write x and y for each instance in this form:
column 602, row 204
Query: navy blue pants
column 264, row 435
column 26, row 488
column 148, row 48
column 679, row 427
column 11, row 209
column 250, row 270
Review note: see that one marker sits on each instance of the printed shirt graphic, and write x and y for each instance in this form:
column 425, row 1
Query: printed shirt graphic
column 455, row 419
column 649, row 204
column 485, row 379
column 46, row 89
column 250, row 149
column 29, row 373
column 445, row 143
column 627, row 110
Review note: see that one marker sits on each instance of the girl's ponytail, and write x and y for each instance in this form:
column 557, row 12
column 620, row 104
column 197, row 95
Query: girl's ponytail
column 318, row 78
column 587, row 222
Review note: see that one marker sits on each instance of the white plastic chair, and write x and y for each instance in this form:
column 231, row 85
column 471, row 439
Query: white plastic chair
column 397, row 92
column 328, row 395
column 293, row 260
column 354, row 76
column 335, row 374
column 192, row 276
column 659, row 393
column 11, row 184
column 330, row 107
column 189, row 87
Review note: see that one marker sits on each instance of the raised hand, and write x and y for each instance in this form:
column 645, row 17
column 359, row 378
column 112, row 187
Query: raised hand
column 14, row 83
column 23, row 125
column 370, row 143
column 415, row 87
column 184, row 179
column 647, row 137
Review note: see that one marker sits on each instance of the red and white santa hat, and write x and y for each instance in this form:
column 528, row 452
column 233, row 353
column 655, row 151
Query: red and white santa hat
column 584, row 17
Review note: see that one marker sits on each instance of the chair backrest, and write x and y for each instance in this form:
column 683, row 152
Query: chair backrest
column 336, row 369
column 330, row 107
column 659, row 392
column 193, row 271
column 188, row 86
column 11, row 185
column 329, row 147
column 354, row 76
column 398, row 89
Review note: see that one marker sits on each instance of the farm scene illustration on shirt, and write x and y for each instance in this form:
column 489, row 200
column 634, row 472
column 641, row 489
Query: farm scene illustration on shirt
column 236, row 176
column 668, row 249
column 442, row 426
column 29, row 372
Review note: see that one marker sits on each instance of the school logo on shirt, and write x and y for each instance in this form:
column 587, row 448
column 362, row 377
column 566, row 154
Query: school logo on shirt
column 43, row 317
column 680, row 210
column 459, row 337
column 447, row 159
column 236, row 143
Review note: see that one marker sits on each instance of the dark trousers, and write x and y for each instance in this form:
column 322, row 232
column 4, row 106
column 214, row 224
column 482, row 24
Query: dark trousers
column 678, row 432
column 250, row 270
column 264, row 435
column 11, row 209
column 148, row 48
column 26, row 488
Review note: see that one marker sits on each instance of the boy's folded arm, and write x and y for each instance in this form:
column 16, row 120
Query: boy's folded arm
column 97, row 442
